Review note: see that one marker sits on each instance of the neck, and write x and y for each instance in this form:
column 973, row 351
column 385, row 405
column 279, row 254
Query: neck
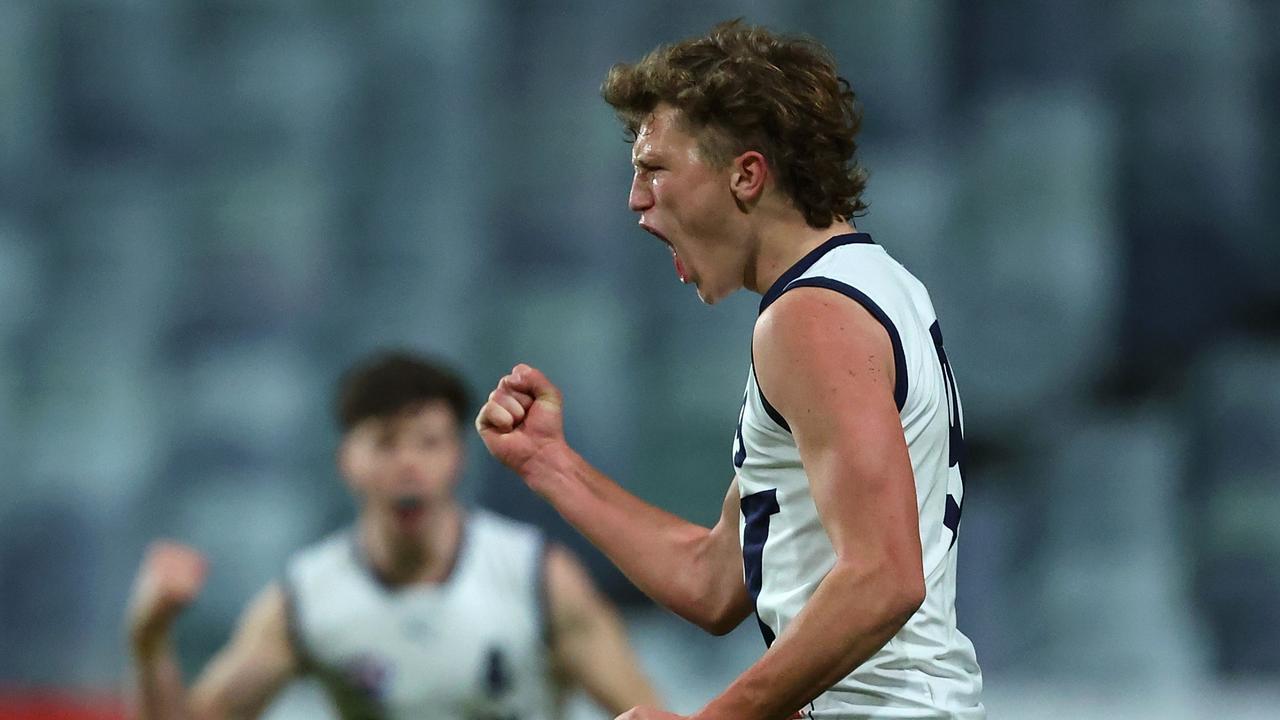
column 427, row 556
column 781, row 245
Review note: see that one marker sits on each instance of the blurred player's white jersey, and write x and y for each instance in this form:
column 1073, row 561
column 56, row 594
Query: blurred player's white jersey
column 927, row 670
column 472, row 647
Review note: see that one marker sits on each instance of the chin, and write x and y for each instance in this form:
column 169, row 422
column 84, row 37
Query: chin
column 709, row 296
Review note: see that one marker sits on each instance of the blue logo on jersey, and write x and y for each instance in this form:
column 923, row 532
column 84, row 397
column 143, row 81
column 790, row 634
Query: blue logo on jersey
column 368, row 674
column 497, row 676
column 498, row 683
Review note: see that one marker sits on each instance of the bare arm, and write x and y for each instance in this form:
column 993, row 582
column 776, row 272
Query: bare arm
column 242, row 677
column 246, row 674
column 589, row 641
column 695, row 572
column 159, row 693
column 836, row 391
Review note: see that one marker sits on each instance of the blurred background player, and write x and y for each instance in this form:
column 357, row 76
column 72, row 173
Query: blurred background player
column 839, row 529
column 421, row 609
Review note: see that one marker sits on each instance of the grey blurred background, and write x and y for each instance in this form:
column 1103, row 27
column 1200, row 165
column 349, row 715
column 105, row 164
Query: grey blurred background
column 208, row 209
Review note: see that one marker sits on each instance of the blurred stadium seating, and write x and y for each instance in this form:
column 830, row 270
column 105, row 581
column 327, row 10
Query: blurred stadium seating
column 208, row 208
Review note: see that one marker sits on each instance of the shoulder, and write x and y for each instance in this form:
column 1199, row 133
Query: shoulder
column 565, row 571
column 491, row 528
column 808, row 323
column 503, row 553
column 333, row 549
column 319, row 565
column 816, row 351
column 569, row 588
column 268, row 612
column 498, row 523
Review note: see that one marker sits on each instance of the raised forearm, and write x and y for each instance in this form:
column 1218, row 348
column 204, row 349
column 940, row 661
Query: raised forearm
column 158, row 692
column 664, row 555
column 850, row 616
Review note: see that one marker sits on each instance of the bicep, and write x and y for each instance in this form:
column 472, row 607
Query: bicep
column 863, row 487
column 248, row 672
column 588, row 638
column 724, row 536
column 724, row 552
column 827, row 365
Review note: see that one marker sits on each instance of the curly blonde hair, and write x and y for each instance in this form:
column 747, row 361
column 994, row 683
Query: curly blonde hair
column 741, row 87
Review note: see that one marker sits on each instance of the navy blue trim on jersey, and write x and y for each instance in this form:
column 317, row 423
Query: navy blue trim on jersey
column 853, row 293
column 463, row 547
column 542, row 591
column 779, row 286
column 768, row 406
column 366, row 563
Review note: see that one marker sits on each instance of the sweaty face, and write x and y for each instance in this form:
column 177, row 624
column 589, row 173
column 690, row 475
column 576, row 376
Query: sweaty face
column 402, row 466
column 686, row 202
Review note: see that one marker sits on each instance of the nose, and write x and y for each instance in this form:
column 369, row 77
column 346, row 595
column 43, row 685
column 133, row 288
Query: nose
column 408, row 463
column 641, row 197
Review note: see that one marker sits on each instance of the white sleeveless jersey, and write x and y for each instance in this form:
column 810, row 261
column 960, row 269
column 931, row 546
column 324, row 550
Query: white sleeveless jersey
column 472, row 647
column 927, row 670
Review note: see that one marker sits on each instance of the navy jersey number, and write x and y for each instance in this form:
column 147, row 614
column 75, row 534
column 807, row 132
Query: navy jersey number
column 757, row 508
column 951, row 519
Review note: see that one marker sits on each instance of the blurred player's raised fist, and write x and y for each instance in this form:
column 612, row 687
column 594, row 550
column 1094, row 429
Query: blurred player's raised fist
column 170, row 577
column 521, row 418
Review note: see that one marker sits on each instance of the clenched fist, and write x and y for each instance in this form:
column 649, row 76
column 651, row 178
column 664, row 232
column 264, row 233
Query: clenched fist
column 521, row 418
column 170, row 577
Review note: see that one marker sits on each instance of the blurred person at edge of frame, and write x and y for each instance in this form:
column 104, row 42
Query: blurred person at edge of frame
column 420, row 609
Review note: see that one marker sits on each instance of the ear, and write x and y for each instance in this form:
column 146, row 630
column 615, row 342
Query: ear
column 346, row 465
column 748, row 176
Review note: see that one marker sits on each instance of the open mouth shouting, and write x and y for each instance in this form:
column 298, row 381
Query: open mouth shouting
column 409, row 508
column 681, row 272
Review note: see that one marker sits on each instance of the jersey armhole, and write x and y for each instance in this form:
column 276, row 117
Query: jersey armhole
column 542, row 591
column 769, row 409
column 293, row 627
column 900, row 380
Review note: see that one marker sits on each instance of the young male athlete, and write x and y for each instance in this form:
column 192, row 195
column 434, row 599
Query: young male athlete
column 839, row 529
column 421, row 610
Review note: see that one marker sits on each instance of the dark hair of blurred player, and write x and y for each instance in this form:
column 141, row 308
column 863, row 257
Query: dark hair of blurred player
column 402, row 455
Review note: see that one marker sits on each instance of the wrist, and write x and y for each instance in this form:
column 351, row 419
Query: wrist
column 146, row 649
column 146, row 643
column 550, row 467
column 710, row 713
column 737, row 702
